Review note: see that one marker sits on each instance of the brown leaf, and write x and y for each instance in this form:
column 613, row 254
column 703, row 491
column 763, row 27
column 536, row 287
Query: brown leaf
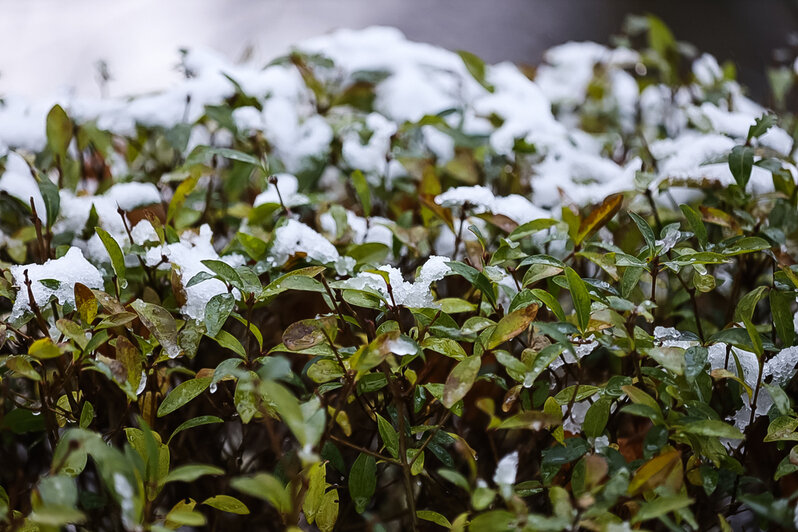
column 512, row 325
column 599, row 217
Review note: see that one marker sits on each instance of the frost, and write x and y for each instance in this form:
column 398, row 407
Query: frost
column 70, row 269
column 506, row 470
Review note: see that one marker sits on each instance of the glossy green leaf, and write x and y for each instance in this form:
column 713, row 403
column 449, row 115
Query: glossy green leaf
column 182, row 394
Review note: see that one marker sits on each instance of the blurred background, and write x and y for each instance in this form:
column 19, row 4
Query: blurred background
column 49, row 46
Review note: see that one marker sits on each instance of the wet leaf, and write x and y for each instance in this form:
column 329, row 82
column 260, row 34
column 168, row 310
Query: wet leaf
column 512, row 325
column 182, row 394
column 460, row 380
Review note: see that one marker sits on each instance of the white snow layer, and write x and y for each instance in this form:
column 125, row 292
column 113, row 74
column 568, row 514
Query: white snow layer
column 70, row 269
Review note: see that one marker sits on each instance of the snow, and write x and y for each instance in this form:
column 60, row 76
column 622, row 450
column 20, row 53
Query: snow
column 288, row 186
column 480, row 199
column 143, row 232
column 18, row 181
column 415, row 294
column 75, row 210
column 373, row 229
column 70, row 269
column 707, row 70
column 295, row 237
column 370, row 157
column 402, row 347
column 187, row 255
column 506, row 470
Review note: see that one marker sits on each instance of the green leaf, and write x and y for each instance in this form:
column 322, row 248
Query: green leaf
column 86, row 303
column 228, row 341
column 185, row 517
column 194, row 422
column 782, row 429
column 550, row 301
column 59, row 133
column 328, row 512
column 741, row 162
column 748, row 244
column 55, row 516
column 475, row 67
column 455, row 305
column 161, row 324
column 308, row 333
column 314, row 497
column 695, row 360
column 43, row 349
column 389, row 436
column 761, row 125
column 696, row 224
column 530, row 228
column 288, row 407
column 580, row 298
column 661, row 506
column 460, row 380
column 511, row 325
column 756, row 340
column 202, row 154
column 435, row 517
column 781, row 309
column 182, row 394
column 747, row 304
column 362, row 190
column 362, row 481
column 179, row 197
column 191, row 472
column 217, row 311
column 52, row 200
column 639, row 397
column 225, row 272
column 713, row 428
column 596, row 418
column 228, row 504
column 87, row 415
column 647, row 232
column 780, row 398
column 115, row 252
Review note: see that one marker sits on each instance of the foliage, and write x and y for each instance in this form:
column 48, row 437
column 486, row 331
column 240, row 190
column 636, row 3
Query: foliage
column 626, row 362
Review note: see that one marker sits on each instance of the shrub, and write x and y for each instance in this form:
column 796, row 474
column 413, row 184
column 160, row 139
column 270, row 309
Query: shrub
column 380, row 285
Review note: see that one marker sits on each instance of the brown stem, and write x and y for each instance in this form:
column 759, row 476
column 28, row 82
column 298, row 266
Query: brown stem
column 363, row 450
column 406, row 472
